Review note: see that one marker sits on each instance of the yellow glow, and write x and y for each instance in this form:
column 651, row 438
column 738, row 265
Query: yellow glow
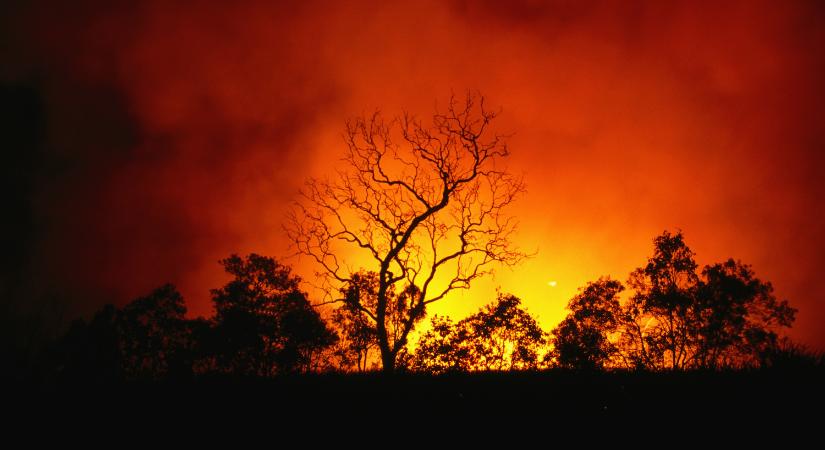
column 552, row 283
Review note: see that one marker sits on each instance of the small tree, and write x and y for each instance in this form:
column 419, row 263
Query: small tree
column 264, row 324
column 584, row 339
column 358, row 331
column 445, row 347
column 501, row 336
column 661, row 313
column 425, row 204
column 357, row 338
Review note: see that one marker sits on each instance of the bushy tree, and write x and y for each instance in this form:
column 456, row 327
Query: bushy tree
column 445, row 347
column 359, row 333
column 585, row 339
column 661, row 312
column 148, row 339
column 501, row 336
column 738, row 316
column 89, row 351
column 153, row 334
column 264, row 324
column 678, row 319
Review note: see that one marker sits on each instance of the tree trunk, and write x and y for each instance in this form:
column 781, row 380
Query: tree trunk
column 387, row 355
column 387, row 362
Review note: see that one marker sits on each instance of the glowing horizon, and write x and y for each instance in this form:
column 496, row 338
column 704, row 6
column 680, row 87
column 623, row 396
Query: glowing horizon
column 173, row 136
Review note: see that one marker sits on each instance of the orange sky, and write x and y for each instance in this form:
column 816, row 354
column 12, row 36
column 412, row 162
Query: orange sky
column 183, row 133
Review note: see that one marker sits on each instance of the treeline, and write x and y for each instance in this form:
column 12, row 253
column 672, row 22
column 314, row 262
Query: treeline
column 677, row 317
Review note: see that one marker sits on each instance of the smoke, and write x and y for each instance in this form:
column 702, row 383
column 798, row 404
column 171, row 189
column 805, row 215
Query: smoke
column 173, row 137
column 173, row 134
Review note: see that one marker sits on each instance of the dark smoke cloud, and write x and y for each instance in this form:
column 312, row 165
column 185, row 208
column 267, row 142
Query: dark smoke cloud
column 156, row 137
column 170, row 138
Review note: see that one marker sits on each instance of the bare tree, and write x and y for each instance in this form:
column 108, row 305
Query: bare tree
column 425, row 204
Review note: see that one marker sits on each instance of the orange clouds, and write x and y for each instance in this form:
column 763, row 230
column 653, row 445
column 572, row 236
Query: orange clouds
column 627, row 119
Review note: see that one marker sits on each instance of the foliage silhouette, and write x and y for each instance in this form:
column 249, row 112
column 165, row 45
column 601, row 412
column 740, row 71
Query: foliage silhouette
column 583, row 340
column 443, row 348
column 676, row 318
column 356, row 338
column 738, row 316
column 264, row 324
column 501, row 336
column 358, row 331
column 153, row 335
column 89, row 351
column 417, row 201
column 148, row 339
column 661, row 311
column 790, row 356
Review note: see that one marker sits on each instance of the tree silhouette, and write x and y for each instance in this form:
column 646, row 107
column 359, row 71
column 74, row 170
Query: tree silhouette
column 583, row 340
column 677, row 319
column 501, row 336
column 148, row 339
column 660, row 314
column 89, row 351
column 445, row 347
column 356, row 338
column 153, row 335
column 416, row 201
column 264, row 324
column 358, row 331
column 738, row 316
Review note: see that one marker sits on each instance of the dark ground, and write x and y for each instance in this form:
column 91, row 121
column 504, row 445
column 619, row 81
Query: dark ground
column 766, row 396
